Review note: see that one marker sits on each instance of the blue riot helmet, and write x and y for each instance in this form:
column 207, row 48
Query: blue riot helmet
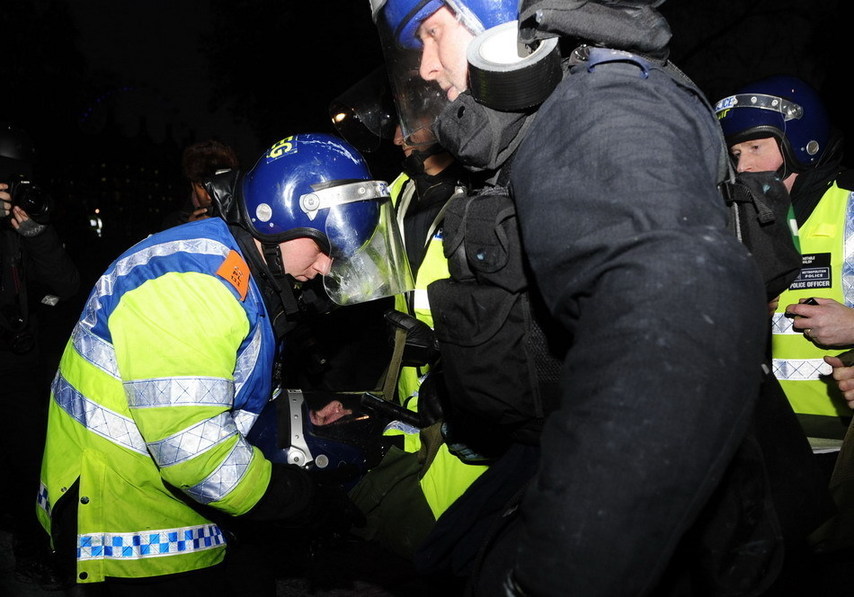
column 286, row 430
column 403, row 17
column 499, row 66
column 318, row 186
column 782, row 107
column 419, row 102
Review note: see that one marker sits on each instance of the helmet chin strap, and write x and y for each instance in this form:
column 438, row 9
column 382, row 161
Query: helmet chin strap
column 276, row 286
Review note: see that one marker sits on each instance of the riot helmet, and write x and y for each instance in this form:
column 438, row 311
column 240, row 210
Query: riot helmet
column 502, row 73
column 785, row 108
column 318, row 186
column 286, row 431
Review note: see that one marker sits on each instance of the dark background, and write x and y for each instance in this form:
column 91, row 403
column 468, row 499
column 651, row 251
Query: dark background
column 113, row 90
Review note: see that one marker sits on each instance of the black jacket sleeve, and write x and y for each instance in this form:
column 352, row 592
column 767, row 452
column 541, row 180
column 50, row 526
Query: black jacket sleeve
column 49, row 264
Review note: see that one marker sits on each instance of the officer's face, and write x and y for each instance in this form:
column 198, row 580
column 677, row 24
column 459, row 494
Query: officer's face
column 421, row 138
column 757, row 155
column 303, row 259
column 443, row 58
column 760, row 155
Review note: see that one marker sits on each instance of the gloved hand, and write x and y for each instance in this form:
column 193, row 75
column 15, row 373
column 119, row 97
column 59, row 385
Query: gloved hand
column 463, row 451
column 297, row 498
column 421, row 347
column 332, row 511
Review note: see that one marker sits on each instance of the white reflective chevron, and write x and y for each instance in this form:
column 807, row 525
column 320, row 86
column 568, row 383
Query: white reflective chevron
column 119, row 429
column 800, row 369
column 226, row 477
column 192, row 441
column 179, row 391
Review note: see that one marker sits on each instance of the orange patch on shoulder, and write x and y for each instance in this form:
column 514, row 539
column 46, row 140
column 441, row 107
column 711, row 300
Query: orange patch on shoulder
column 235, row 270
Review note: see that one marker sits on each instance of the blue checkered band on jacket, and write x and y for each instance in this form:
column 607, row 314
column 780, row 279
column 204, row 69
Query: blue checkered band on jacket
column 149, row 544
column 41, row 500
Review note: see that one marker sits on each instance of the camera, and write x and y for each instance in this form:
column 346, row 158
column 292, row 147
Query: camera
column 29, row 196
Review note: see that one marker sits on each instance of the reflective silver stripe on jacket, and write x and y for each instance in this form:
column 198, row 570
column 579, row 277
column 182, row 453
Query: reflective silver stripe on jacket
column 110, row 425
column 105, row 284
column 244, row 420
column 95, row 349
column 192, row 441
column 227, row 475
column 246, row 361
column 848, row 255
column 800, row 369
column 780, row 324
column 179, row 391
column 420, row 300
column 148, row 544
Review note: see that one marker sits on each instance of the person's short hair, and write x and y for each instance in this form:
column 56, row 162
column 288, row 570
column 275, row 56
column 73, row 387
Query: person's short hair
column 202, row 160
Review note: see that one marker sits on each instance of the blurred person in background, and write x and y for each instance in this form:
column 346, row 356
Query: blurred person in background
column 199, row 162
column 36, row 274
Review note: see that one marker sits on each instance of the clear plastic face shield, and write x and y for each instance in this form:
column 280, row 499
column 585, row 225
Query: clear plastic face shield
column 368, row 257
column 365, row 114
column 418, row 101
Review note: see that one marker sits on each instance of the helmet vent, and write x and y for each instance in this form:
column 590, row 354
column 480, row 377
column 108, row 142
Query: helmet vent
column 813, row 147
column 264, row 212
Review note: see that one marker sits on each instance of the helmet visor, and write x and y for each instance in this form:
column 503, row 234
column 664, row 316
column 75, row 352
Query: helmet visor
column 365, row 114
column 418, row 102
column 368, row 257
column 377, row 268
column 787, row 110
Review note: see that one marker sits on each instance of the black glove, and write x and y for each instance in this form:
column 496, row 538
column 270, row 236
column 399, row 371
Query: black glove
column 297, row 498
column 333, row 512
column 287, row 499
column 421, row 347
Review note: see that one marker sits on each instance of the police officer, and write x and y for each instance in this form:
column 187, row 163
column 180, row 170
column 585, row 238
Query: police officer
column 615, row 187
column 779, row 124
column 172, row 361
column 402, row 513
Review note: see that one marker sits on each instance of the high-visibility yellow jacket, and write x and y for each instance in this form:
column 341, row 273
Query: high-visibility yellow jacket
column 447, row 477
column 165, row 372
column 825, row 238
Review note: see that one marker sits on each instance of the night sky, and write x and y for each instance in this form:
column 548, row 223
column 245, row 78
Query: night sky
column 165, row 73
column 252, row 71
